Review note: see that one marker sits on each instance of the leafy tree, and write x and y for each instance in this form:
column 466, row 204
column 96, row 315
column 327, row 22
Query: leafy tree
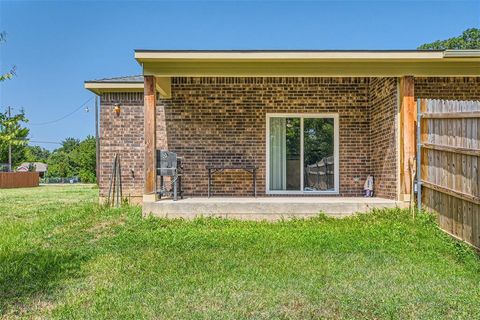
column 60, row 165
column 13, row 132
column 84, row 157
column 470, row 39
column 74, row 158
column 36, row 154
column 69, row 144
column 11, row 73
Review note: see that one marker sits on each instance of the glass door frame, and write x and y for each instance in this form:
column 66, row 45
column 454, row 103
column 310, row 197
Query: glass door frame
column 336, row 143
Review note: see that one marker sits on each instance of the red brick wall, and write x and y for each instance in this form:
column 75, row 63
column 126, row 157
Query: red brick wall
column 213, row 120
column 383, row 135
column 448, row 88
column 122, row 134
column 210, row 119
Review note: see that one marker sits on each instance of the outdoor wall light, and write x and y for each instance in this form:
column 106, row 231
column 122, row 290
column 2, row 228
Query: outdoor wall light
column 117, row 109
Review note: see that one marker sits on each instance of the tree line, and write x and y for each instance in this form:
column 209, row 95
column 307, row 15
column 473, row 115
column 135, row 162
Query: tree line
column 74, row 158
column 469, row 39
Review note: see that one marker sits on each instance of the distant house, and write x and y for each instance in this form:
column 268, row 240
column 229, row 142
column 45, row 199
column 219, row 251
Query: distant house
column 39, row 167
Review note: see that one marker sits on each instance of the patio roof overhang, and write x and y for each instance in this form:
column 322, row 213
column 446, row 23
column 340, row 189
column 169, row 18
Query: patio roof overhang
column 164, row 64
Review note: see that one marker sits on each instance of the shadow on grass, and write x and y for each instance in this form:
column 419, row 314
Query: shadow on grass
column 34, row 272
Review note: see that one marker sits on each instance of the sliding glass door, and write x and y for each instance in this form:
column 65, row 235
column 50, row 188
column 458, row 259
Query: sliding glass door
column 302, row 152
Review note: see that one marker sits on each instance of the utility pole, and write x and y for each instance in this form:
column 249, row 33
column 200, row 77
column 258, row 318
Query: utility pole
column 10, row 143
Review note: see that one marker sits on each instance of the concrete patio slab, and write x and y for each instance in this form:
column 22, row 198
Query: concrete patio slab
column 265, row 208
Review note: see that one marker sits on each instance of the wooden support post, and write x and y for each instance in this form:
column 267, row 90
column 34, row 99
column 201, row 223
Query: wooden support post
column 150, row 101
column 97, row 144
column 408, row 115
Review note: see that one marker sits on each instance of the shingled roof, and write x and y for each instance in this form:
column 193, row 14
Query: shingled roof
column 118, row 84
column 125, row 79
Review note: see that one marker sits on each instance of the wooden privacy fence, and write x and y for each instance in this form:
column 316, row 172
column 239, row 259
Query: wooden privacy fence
column 450, row 144
column 18, row 179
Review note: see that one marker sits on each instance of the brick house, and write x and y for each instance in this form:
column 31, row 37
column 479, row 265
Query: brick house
column 315, row 123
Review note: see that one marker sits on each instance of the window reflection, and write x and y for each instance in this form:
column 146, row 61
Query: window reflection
column 319, row 164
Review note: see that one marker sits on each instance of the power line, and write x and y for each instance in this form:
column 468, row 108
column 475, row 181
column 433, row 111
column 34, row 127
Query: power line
column 61, row 118
column 38, row 141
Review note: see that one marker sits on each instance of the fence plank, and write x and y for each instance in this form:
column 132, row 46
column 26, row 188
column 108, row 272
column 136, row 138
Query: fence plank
column 450, row 114
column 450, row 138
column 453, row 149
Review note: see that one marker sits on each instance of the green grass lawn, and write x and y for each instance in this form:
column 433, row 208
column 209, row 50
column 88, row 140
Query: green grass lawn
column 64, row 256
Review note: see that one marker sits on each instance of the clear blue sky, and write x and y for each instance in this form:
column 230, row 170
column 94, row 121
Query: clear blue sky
column 57, row 45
